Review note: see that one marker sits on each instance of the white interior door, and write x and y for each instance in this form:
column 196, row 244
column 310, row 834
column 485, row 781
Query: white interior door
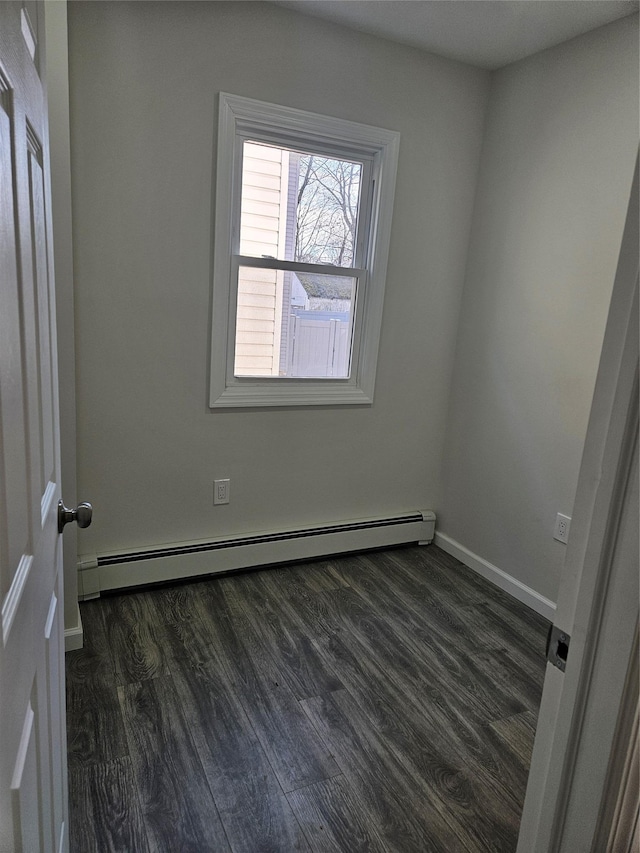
column 33, row 785
column 579, row 722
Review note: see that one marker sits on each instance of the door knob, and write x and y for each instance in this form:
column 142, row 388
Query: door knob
column 81, row 514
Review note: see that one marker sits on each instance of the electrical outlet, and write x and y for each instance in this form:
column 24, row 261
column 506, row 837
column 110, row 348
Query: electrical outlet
column 221, row 490
column 561, row 530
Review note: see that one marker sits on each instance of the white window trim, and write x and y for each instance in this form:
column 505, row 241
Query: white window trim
column 238, row 117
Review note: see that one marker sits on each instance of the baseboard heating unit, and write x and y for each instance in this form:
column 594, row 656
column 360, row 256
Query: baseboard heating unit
column 111, row 571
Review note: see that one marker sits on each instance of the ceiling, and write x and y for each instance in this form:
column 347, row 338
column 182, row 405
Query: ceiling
column 485, row 33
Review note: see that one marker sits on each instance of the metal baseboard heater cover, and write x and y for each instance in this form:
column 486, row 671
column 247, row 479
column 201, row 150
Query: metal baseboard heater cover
column 112, row 570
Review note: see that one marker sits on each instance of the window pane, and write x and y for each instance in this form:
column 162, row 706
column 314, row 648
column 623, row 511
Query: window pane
column 297, row 206
column 293, row 324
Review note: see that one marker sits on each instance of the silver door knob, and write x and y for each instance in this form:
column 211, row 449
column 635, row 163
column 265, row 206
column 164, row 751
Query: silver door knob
column 81, row 514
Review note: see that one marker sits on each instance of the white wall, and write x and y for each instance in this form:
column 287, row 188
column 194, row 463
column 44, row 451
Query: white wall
column 555, row 176
column 144, row 78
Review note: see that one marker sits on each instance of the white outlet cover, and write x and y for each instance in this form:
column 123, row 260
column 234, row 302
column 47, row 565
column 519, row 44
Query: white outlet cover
column 561, row 530
column 221, row 491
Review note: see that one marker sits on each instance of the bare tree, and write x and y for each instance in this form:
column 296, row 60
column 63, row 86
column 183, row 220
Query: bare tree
column 327, row 210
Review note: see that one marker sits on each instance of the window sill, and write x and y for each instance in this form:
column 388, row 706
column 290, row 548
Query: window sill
column 291, row 393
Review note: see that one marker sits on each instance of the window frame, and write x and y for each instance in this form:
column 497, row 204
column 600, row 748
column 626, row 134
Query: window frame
column 241, row 119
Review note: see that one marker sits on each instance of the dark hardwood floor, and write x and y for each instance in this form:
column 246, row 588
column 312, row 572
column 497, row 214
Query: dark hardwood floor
column 380, row 702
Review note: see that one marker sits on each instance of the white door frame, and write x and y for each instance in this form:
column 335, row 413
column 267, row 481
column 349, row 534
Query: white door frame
column 60, row 157
column 619, row 819
column 598, row 599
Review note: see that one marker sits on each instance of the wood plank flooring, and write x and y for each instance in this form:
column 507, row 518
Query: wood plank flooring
column 379, row 702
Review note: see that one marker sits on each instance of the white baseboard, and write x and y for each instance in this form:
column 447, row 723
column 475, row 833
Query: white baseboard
column 501, row 579
column 73, row 637
column 183, row 560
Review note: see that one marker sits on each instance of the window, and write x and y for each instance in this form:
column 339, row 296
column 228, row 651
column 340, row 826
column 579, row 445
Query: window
column 303, row 217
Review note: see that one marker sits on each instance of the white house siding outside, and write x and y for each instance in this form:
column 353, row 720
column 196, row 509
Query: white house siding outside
column 264, row 218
